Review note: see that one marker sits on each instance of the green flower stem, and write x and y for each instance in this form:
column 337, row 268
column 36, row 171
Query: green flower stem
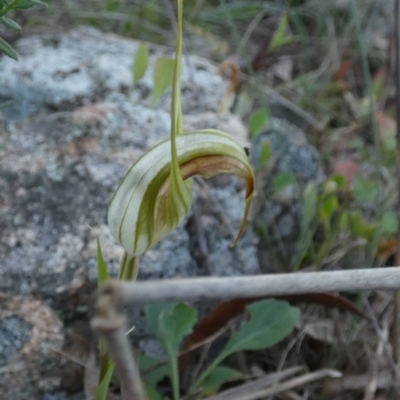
column 129, row 268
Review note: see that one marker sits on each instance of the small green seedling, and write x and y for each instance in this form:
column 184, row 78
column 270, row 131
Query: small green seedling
column 269, row 322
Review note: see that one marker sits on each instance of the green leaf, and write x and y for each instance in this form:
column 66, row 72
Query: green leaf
column 112, row 5
column 152, row 378
column 163, row 71
column 7, row 49
column 152, row 392
column 363, row 189
column 102, row 272
column 280, row 38
column 258, row 121
column 140, row 62
column 265, row 154
column 358, row 227
column 171, row 323
column 310, row 199
column 244, row 104
column 340, row 181
column 174, row 325
column 27, row 4
column 10, row 24
column 328, row 207
column 270, row 322
column 102, row 389
column 283, row 180
column 389, row 223
column 156, row 375
column 217, row 378
column 153, row 313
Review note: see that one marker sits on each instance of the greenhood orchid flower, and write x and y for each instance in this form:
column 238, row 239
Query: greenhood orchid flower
column 144, row 210
column 155, row 195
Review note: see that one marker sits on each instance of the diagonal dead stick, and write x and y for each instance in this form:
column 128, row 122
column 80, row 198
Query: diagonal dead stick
column 220, row 288
column 110, row 324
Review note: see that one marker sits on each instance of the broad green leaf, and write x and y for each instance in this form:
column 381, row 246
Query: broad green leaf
column 102, row 273
column 270, row 322
column 144, row 209
column 258, row 122
column 174, row 325
column 363, row 189
column 162, row 76
column 283, row 180
column 265, row 154
column 171, row 323
column 7, row 49
column 389, row 223
column 217, row 378
column 140, row 62
column 153, row 312
column 156, row 375
column 310, row 200
column 10, row 24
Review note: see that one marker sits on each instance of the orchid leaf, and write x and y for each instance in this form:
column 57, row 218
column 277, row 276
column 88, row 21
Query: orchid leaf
column 7, row 49
column 162, row 77
column 140, row 62
column 258, row 122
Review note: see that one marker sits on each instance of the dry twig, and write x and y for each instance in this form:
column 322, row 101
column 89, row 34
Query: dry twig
column 195, row 289
column 110, row 324
column 256, row 385
column 285, row 386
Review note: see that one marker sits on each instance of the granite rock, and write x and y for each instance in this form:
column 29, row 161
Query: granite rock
column 74, row 127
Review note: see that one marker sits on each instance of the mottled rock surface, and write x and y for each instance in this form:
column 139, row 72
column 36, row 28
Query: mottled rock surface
column 74, row 127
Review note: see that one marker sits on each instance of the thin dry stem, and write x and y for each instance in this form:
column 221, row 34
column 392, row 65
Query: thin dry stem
column 253, row 286
column 288, row 385
column 260, row 383
column 110, row 325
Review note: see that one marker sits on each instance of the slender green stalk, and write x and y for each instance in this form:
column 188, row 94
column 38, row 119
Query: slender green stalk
column 176, row 129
